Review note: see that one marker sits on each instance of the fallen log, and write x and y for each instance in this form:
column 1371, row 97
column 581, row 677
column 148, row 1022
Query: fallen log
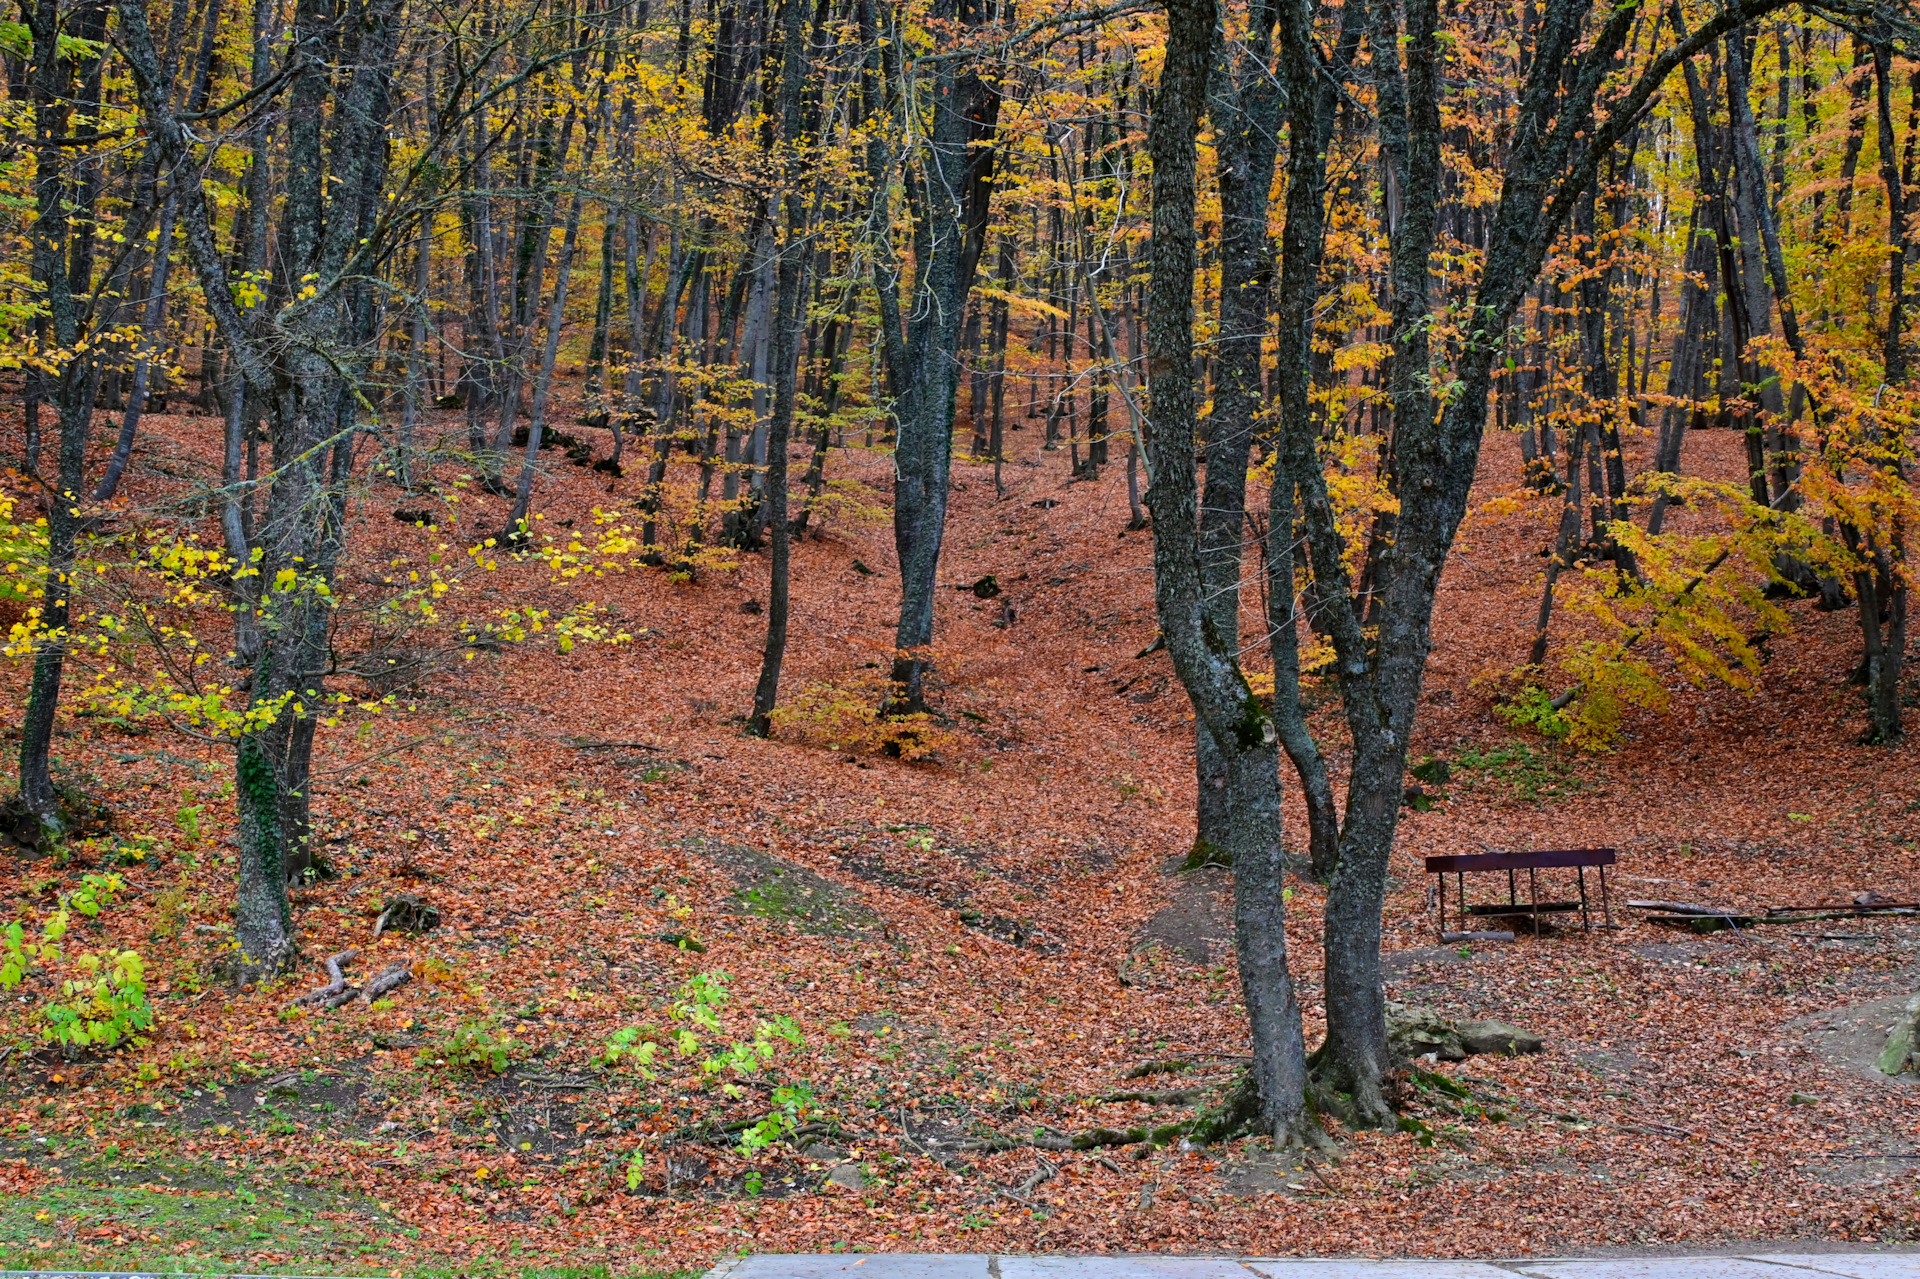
column 336, row 985
column 392, row 978
column 1728, row 919
column 1867, row 901
column 1708, row 923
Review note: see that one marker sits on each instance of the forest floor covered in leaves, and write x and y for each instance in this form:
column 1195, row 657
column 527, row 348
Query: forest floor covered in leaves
column 981, row 944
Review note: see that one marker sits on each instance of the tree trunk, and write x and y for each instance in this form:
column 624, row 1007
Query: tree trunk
column 790, row 316
column 1881, row 586
column 1353, row 1062
column 1208, row 665
column 1245, row 102
column 152, row 346
column 594, row 411
column 1565, row 544
column 951, row 192
column 416, row 388
column 1894, row 347
column 307, row 385
column 543, row 379
column 38, row 817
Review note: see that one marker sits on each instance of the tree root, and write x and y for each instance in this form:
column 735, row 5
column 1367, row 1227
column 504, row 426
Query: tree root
column 1366, row 1109
column 1356, row 1103
column 336, row 991
column 994, row 1145
column 1239, row 1112
column 1238, row 1109
column 1166, row 1067
column 1045, row 1172
column 1172, row 1097
column 1096, row 1138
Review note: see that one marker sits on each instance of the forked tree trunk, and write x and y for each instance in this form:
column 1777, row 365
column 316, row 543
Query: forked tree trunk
column 1206, row 663
column 333, row 183
column 950, row 193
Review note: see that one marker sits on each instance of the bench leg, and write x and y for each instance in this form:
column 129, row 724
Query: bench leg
column 1533, row 897
column 1586, row 921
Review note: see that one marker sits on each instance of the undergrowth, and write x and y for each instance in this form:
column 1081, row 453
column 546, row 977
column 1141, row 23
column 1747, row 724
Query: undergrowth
column 1530, row 774
column 846, row 716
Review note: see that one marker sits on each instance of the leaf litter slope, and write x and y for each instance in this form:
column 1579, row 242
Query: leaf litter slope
column 953, row 934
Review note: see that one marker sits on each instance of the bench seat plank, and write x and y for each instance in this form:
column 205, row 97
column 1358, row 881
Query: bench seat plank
column 1548, row 860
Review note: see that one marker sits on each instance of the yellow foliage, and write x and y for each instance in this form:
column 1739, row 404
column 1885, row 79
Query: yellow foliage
column 1699, row 601
column 846, row 716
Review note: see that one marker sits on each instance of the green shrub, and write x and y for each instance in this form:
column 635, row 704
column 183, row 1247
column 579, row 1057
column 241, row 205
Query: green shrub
column 474, row 1045
column 104, row 1003
column 1533, row 708
column 104, row 1006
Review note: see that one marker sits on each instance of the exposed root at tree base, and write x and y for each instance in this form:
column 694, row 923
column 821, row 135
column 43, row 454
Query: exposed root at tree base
column 1355, row 1102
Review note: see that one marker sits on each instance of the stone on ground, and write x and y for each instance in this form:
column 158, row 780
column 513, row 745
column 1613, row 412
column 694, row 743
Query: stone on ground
column 847, row 1177
column 1900, row 1055
column 1417, row 1032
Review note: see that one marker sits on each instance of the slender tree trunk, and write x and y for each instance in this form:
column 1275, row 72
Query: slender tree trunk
column 416, row 358
column 1894, row 348
column 549, row 355
column 1136, row 511
column 1566, row 544
column 838, row 338
column 152, row 345
column 594, row 411
column 790, row 312
column 239, row 468
column 38, row 817
column 1881, row 586
column 1857, row 85
column 1698, row 333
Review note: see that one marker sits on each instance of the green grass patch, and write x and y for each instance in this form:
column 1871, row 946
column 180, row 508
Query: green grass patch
column 1531, row 775
column 196, row 1217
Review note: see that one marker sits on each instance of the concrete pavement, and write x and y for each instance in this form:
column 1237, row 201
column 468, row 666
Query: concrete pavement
column 1756, row 1265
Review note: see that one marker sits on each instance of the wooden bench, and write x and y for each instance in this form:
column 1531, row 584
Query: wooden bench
column 1458, row 865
